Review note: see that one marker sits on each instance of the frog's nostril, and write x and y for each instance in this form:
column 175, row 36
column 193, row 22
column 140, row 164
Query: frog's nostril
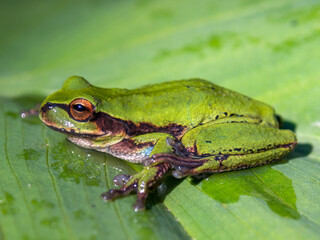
column 50, row 105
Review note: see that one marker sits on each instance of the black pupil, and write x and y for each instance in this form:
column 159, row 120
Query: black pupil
column 79, row 108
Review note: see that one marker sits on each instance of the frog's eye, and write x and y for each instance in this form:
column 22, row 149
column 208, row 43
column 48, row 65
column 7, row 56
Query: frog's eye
column 81, row 109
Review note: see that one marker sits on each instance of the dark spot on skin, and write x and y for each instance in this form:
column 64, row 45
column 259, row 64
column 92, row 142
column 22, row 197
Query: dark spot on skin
column 238, row 122
column 217, row 117
column 250, row 151
column 221, row 157
column 235, row 115
column 225, row 113
column 205, row 155
column 237, row 149
column 208, row 141
column 262, row 149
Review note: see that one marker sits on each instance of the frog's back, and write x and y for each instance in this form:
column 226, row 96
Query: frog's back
column 185, row 102
column 172, row 86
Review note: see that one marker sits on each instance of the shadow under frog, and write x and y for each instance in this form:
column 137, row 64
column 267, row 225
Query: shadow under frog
column 263, row 182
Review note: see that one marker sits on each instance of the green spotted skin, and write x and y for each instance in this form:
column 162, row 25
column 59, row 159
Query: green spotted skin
column 234, row 139
column 186, row 127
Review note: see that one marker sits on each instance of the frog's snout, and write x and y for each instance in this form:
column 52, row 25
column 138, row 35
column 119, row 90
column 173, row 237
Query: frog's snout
column 49, row 112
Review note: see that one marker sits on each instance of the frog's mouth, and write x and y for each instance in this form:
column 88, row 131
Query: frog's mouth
column 72, row 132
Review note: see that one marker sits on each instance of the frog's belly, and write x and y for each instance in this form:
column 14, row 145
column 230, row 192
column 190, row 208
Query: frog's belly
column 125, row 149
column 131, row 156
column 130, row 150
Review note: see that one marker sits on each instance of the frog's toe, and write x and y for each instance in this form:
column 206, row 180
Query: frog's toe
column 178, row 174
column 140, row 204
column 121, row 179
column 113, row 194
column 138, row 186
column 180, row 171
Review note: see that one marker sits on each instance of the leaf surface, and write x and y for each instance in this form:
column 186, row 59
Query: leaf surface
column 268, row 50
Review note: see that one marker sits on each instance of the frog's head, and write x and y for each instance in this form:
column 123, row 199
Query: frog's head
column 74, row 110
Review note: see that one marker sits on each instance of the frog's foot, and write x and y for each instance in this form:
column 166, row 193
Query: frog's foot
column 182, row 166
column 139, row 183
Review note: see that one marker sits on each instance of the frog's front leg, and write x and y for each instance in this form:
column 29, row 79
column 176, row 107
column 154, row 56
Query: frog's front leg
column 149, row 177
column 140, row 183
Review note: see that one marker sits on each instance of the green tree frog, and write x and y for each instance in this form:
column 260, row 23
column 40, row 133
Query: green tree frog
column 185, row 127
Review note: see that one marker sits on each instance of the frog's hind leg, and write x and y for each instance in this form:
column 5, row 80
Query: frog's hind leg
column 221, row 162
column 193, row 166
column 224, row 163
column 229, row 146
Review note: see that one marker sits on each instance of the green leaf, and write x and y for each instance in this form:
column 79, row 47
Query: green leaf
column 268, row 50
